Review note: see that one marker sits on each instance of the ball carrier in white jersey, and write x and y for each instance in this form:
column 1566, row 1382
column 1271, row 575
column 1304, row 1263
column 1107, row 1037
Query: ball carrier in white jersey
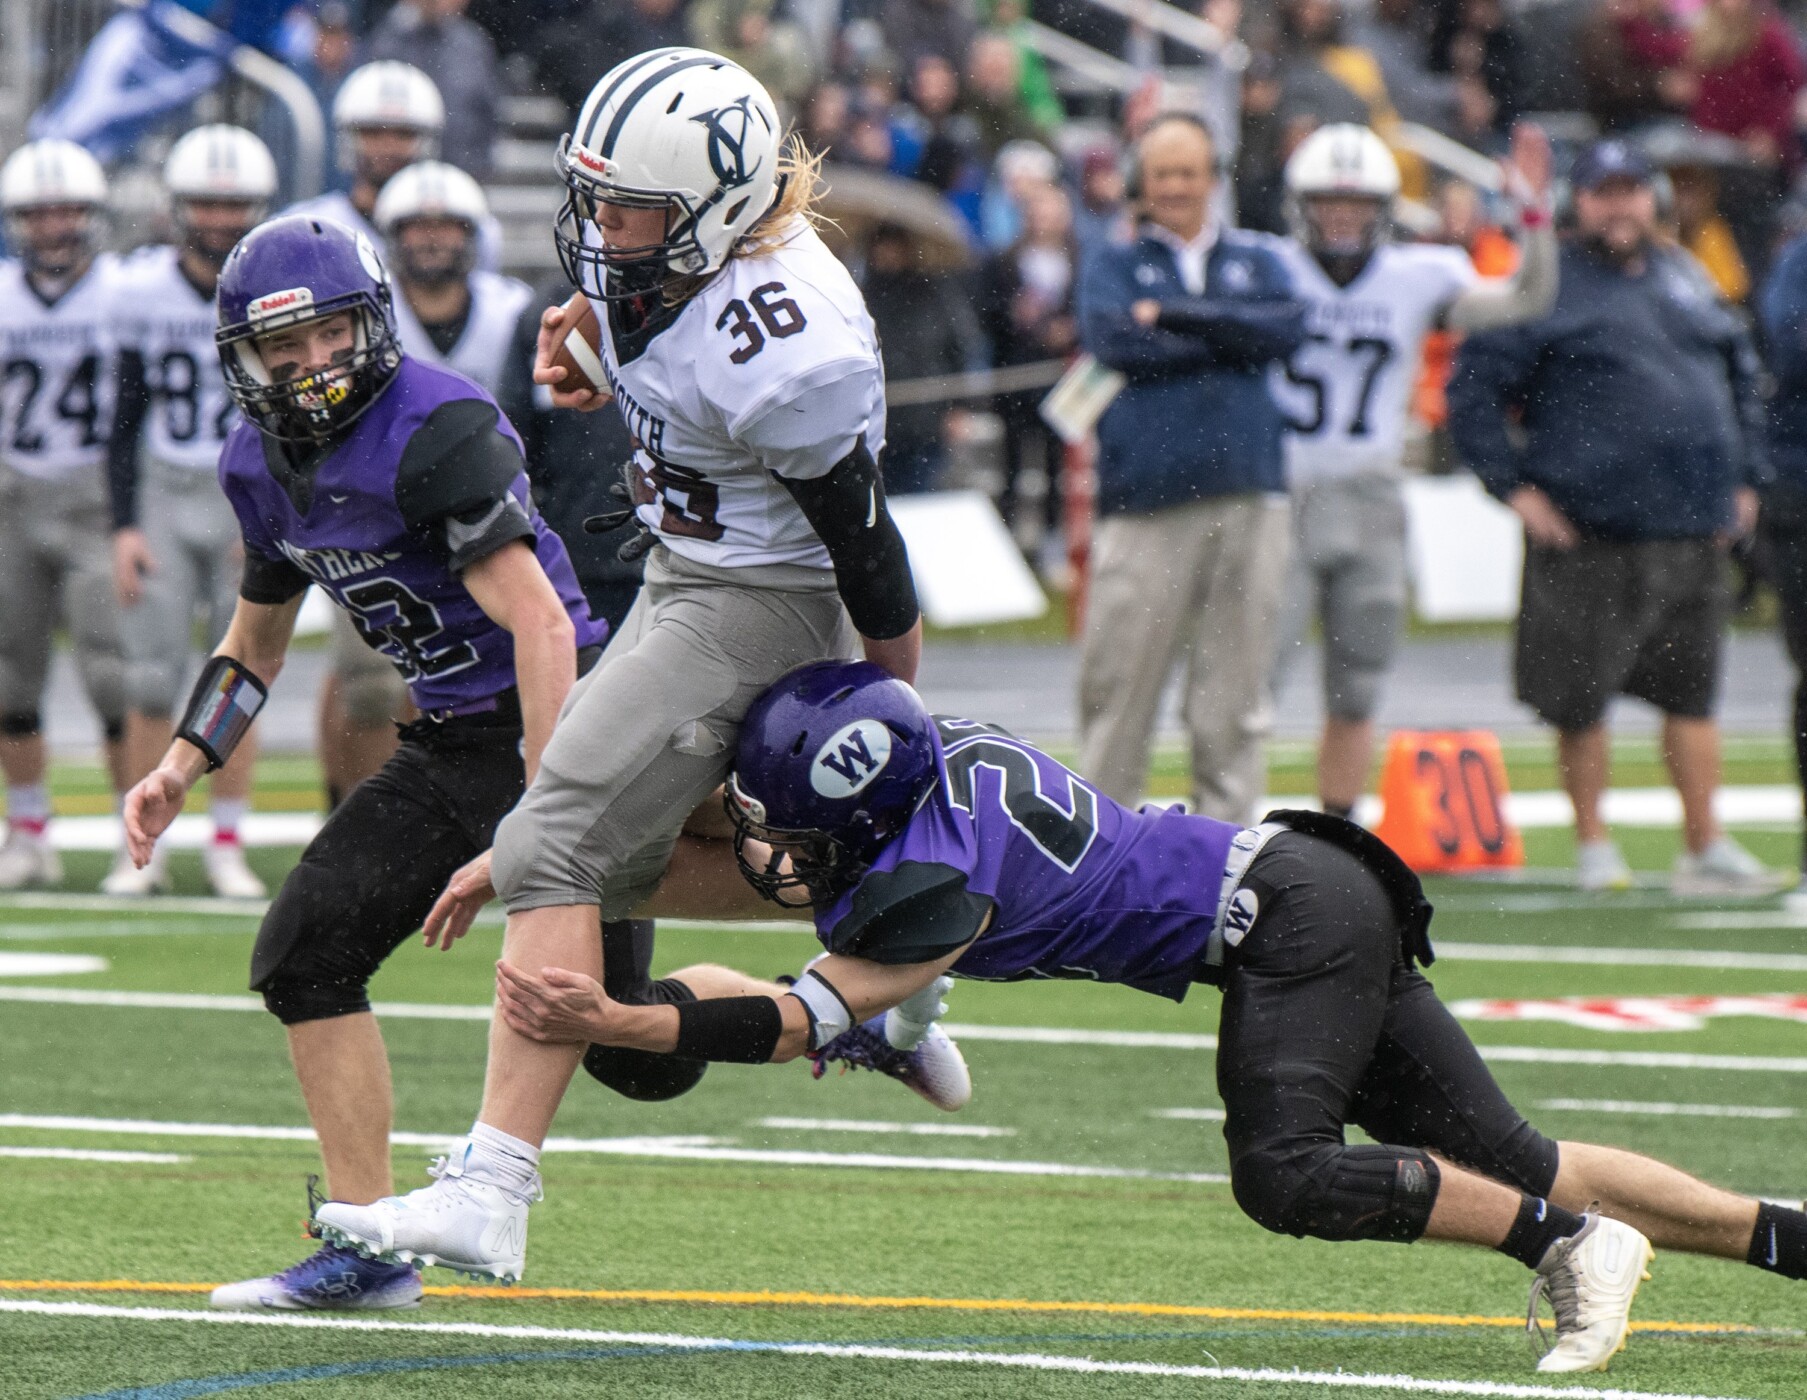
column 450, row 311
column 743, row 360
column 176, row 547
column 56, row 407
column 1370, row 302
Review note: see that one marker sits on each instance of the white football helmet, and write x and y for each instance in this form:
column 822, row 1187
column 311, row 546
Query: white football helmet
column 52, row 172
column 1341, row 161
column 390, row 95
column 678, row 129
column 218, row 164
column 431, row 189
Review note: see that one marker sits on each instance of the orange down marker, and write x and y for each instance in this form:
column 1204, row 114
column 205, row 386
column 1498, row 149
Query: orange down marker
column 1444, row 793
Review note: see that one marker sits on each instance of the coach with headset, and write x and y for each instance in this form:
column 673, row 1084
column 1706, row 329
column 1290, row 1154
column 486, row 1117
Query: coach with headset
column 1190, row 552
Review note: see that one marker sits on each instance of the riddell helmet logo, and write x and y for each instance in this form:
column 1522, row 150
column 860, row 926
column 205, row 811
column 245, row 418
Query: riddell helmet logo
column 851, row 759
column 276, row 303
column 589, row 161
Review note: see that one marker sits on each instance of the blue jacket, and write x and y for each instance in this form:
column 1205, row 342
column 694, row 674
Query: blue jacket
column 1782, row 310
column 1195, row 419
column 1638, row 398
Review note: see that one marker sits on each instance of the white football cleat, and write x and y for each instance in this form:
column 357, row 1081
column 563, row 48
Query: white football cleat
column 28, row 858
column 935, row 1069
column 1723, row 868
column 1591, row 1278
column 126, row 880
column 1600, row 866
column 458, row 1222
column 228, row 873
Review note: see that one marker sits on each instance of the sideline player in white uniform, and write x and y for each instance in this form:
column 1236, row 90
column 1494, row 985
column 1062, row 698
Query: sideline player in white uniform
column 176, row 548
column 450, row 312
column 56, row 407
column 1370, row 303
column 745, row 364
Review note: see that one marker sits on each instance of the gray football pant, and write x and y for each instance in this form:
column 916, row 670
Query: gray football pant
column 1349, row 573
column 1198, row 584
column 56, row 566
column 651, row 731
column 199, row 560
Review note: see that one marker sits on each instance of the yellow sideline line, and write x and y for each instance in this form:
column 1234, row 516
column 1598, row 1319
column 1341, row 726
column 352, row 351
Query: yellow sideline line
column 855, row 1300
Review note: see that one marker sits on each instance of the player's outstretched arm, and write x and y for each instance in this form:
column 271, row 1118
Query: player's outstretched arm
column 1530, row 292
column 561, row 1007
column 231, row 689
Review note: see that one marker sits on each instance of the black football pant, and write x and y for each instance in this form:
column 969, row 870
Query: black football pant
column 367, row 880
column 1326, row 1024
column 1784, row 539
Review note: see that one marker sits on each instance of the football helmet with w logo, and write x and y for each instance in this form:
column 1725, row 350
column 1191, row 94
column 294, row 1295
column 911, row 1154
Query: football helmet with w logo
column 678, row 129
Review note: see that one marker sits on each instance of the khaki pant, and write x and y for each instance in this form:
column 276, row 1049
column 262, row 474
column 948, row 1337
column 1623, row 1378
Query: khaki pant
column 1200, row 582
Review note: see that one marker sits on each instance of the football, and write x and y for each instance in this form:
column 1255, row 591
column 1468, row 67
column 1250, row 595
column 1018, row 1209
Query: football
column 579, row 353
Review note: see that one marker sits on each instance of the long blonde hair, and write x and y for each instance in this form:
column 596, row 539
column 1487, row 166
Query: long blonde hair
column 801, row 171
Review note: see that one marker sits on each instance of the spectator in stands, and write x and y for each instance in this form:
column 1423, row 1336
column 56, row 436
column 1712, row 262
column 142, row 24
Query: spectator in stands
column 1022, row 168
column 1487, row 49
column 437, row 38
column 1703, row 231
column 925, row 327
column 994, row 95
column 1626, row 431
column 1191, row 546
column 1627, row 83
column 826, row 119
column 945, row 140
column 914, row 29
column 1783, row 312
column 572, row 53
column 1261, row 153
column 1098, row 210
column 1321, row 74
column 772, row 49
column 1026, row 312
column 1393, row 32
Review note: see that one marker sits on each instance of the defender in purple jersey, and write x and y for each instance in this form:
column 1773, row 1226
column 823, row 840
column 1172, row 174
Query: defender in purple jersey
column 932, row 847
column 398, row 489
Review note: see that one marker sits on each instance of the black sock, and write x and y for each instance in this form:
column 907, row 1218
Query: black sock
column 1779, row 1243
column 1538, row 1226
column 1338, row 809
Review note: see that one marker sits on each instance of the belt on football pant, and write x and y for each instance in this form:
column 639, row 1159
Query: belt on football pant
column 1235, row 918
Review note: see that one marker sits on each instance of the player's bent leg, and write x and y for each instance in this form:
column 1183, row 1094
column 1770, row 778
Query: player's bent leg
column 1675, row 1210
column 627, row 953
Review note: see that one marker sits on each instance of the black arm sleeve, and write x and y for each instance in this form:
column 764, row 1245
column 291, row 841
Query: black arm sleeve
column 846, row 508
column 457, row 475
column 917, row 913
column 132, row 401
column 270, row 581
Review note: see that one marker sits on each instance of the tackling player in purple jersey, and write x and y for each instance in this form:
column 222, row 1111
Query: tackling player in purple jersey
column 398, row 489
column 931, row 847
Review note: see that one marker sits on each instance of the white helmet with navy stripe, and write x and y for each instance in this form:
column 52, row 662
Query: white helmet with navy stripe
column 53, row 173
column 388, row 96
column 680, row 129
column 1341, row 161
column 220, row 162
column 430, row 189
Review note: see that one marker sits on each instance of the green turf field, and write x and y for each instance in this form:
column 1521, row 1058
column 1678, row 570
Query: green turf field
column 1073, row 1237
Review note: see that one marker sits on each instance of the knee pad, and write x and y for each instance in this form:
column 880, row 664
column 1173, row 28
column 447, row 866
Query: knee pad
column 305, row 966
column 1357, row 656
column 21, row 724
column 640, row 1074
column 1333, row 1192
column 294, row 999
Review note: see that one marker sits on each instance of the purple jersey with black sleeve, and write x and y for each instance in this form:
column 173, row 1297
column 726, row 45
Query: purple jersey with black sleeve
column 387, row 516
column 1076, row 885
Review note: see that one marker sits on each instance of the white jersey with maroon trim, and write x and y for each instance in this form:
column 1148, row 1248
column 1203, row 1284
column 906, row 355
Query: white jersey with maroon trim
column 163, row 316
column 484, row 344
column 57, row 361
column 1346, row 391
column 770, row 370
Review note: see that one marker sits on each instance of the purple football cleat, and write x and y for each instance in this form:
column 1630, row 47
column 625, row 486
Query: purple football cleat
column 935, row 1069
column 331, row 1279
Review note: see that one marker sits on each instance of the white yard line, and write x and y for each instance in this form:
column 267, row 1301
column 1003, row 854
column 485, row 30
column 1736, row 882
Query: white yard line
column 1716, row 959
column 87, row 1154
column 50, row 964
column 1189, row 1115
column 683, row 1149
column 1027, row 1361
column 1724, row 920
column 865, row 1125
column 1667, row 1110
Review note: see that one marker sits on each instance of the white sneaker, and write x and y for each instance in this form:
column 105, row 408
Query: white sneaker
column 28, row 858
column 1600, row 866
column 126, row 880
column 1724, row 867
column 458, row 1222
column 1795, row 901
column 228, row 873
column 1591, row 1278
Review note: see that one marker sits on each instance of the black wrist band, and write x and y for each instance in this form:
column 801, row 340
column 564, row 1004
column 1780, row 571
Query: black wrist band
column 730, row 1030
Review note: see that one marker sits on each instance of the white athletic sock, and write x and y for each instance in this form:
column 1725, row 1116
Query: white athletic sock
column 228, row 815
column 502, row 1160
column 28, row 806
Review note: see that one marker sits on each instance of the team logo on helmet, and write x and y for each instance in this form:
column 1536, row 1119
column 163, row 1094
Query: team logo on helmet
column 728, row 129
column 852, row 758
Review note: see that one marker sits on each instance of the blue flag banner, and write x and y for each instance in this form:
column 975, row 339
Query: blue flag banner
column 136, row 70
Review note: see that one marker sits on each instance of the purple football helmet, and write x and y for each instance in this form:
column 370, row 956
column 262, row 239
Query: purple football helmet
column 287, row 273
column 833, row 761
